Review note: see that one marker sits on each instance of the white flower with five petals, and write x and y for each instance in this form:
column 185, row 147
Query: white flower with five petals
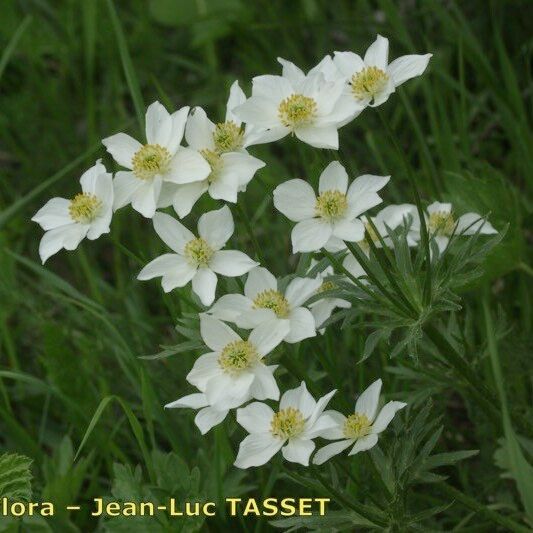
column 361, row 428
column 88, row 214
column 197, row 259
column 160, row 160
column 291, row 429
column 310, row 109
column 330, row 218
column 223, row 146
column 263, row 301
column 371, row 80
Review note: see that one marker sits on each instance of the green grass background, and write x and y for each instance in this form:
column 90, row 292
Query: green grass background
column 71, row 333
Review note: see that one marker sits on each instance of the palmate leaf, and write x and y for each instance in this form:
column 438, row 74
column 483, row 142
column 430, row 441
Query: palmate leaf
column 15, row 476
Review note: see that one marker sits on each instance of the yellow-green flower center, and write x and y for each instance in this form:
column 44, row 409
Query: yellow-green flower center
column 84, row 207
column 199, row 252
column 228, row 137
column 271, row 299
column 368, row 82
column 370, row 234
column 297, row 110
column 331, row 205
column 287, row 423
column 356, row 426
column 150, row 160
column 441, row 223
column 237, row 356
column 213, row 158
column 326, row 286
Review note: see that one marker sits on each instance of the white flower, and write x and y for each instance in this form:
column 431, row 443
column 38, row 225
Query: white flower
column 389, row 218
column 442, row 224
column 310, row 108
column 330, row 218
column 263, row 301
column 234, row 372
column 198, row 259
column 370, row 81
column 361, row 428
column 223, row 146
column 322, row 309
column 292, row 428
column 88, row 214
column 161, row 160
column 207, row 416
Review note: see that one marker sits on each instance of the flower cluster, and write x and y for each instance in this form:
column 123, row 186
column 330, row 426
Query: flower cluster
column 161, row 173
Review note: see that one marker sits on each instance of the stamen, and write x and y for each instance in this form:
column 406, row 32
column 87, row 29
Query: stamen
column 356, row 426
column 213, row 158
column 271, row 299
column 441, row 223
column 84, row 207
column 287, row 423
column 368, row 83
column 297, row 110
column 228, row 137
column 370, row 234
column 199, row 252
column 237, row 356
column 326, row 286
column 331, row 205
column 150, row 160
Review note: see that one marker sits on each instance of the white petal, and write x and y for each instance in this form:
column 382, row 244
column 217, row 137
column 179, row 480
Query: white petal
column 302, row 325
column 241, row 165
column 260, row 112
column 363, row 444
column 438, row 207
column 257, row 449
column 205, row 368
column 199, row 130
column 255, row 417
column 319, row 137
column 230, row 307
column 300, row 290
column 351, row 231
column 255, row 135
column 192, row 401
column 386, row 415
column 187, row 195
column 204, row 285
column 158, row 125
column 125, row 185
column 215, row 333
column 316, row 415
column 327, row 452
column 377, row 54
column 227, row 391
column 310, row 235
column 53, row 214
column 225, row 187
column 67, row 237
column 166, row 264
column 298, row 398
column 352, row 265
column 348, row 63
column 298, row 451
column 291, row 71
column 333, row 178
column 231, row 263
column 90, row 176
column 295, row 199
column 187, row 166
column 367, row 183
column 145, row 198
column 216, row 227
column 275, row 88
column 179, row 119
column 471, row 223
column 268, row 335
column 122, row 147
column 406, row 67
column 174, row 234
column 255, row 317
column 209, row 417
column 335, row 425
column 259, row 280
column 236, row 97
column 264, row 386
column 367, row 403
